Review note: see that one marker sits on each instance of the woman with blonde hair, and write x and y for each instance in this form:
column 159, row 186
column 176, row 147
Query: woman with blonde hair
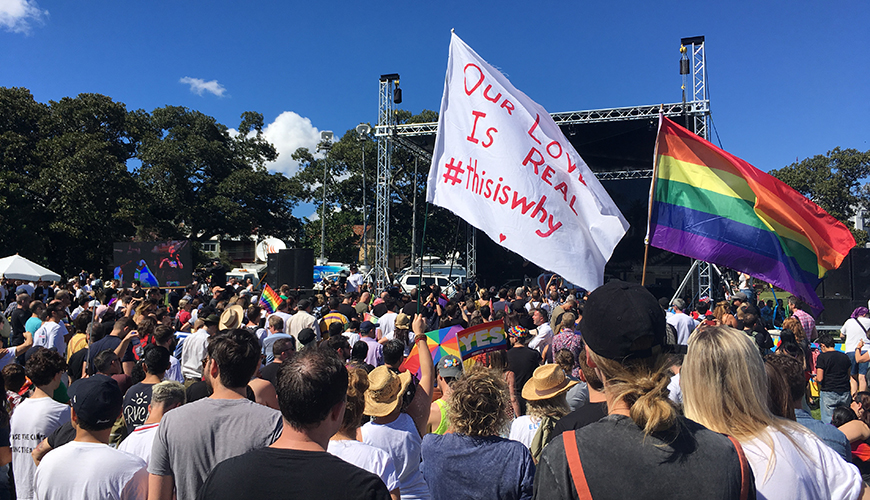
column 344, row 443
column 642, row 448
column 546, row 404
column 722, row 313
column 725, row 388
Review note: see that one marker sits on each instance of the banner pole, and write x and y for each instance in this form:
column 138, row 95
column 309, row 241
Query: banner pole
column 652, row 187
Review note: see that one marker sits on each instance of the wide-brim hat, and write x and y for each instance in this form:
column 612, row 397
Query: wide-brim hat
column 403, row 321
column 231, row 318
column 547, row 382
column 385, row 391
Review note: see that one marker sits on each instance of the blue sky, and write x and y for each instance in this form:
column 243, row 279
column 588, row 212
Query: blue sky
column 787, row 79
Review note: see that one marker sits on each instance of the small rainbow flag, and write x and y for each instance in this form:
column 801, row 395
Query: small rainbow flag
column 269, row 299
column 441, row 343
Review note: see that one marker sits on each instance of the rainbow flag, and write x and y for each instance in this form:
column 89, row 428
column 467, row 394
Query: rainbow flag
column 270, row 299
column 441, row 343
column 712, row 206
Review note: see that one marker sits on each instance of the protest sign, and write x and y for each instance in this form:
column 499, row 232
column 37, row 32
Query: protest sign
column 504, row 166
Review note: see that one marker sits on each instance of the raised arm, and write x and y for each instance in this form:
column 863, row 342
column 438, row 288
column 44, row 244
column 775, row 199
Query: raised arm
column 419, row 408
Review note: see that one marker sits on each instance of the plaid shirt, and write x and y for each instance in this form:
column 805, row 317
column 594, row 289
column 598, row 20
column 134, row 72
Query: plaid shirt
column 807, row 323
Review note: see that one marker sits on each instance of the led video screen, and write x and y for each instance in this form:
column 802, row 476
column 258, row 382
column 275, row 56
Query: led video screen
column 154, row 264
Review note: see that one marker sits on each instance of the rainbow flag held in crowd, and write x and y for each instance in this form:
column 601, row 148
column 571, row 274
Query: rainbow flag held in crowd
column 441, row 343
column 709, row 205
column 270, row 299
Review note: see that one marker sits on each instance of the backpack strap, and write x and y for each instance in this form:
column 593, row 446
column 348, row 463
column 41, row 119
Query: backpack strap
column 745, row 471
column 573, row 455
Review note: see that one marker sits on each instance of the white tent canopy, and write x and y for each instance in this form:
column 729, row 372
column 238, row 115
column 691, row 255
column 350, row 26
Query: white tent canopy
column 17, row 267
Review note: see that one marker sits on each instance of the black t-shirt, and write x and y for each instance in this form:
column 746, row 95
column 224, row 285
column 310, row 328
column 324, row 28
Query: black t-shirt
column 836, row 366
column 75, row 363
column 270, row 473
column 136, row 402
column 583, row 416
column 410, row 308
column 270, row 373
column 19, row 318
column 62, row 435
column 348, row 311
column 109, row 343
column 522, row 361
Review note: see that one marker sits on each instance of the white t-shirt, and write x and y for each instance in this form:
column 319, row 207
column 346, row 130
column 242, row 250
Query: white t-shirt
column 387, row 325
column 367, row 457
column 543, row 338
column 91, row 471
column 50, row 335
column 352, row 338
column 32, row 421
column 675, row 392
column 174, row 371
column 284, row 316
column 817, row 473
column 523, row 429
column 354, row 281
column 684, row 324
column 192, row 354
column 402, row 441
column 854, row 333
column 139, row 441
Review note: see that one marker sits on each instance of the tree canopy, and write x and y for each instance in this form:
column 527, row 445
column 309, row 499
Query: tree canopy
column 84, row 172
column 835, row 182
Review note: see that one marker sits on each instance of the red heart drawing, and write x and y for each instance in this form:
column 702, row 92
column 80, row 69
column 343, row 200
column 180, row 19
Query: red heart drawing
column 501, row 238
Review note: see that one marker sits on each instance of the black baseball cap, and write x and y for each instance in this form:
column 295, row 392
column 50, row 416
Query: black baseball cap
column 623, row 321
column 96, row 400
column 306, row 336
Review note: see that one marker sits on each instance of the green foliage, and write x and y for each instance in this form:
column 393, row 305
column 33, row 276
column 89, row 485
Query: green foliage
column 69, row 191
column 833, row 181
column 343, row 162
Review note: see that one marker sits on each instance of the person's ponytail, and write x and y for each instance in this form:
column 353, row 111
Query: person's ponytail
column 642, row 384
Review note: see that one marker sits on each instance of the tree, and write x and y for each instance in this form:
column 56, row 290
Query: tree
column 344, row 187
column 202, row 182
column 834, row 182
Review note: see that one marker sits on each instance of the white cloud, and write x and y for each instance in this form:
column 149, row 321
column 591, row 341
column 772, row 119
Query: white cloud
column 198, row 85
column 17, row 15
column 288, row 133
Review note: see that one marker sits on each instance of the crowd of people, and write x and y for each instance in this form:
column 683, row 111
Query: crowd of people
column 207, row 392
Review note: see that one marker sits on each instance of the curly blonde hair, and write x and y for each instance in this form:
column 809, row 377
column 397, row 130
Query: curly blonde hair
column 479, row 403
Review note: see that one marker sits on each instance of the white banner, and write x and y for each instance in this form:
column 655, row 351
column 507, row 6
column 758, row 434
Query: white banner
column 502, row 164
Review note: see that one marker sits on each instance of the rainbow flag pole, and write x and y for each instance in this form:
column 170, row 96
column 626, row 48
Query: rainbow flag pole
column 269, row 299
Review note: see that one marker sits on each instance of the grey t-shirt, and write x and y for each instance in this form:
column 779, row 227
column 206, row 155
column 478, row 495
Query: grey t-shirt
column 195, row 437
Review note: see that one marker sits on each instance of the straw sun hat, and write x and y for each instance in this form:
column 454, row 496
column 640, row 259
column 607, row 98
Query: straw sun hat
column 385, row 391
column 548, row 381
column 231, row 318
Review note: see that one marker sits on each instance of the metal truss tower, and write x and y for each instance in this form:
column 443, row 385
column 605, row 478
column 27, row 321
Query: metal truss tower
column 386, row 123
column 694, row 62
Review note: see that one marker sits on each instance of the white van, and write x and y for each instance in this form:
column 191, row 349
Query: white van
column 449, row 287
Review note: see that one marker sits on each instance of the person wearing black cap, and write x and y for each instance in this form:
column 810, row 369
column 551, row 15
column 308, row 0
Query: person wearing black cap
column 86, row 467
column 642, row 448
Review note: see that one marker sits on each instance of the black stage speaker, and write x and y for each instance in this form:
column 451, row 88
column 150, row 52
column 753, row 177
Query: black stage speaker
column 299, row 263
column 838, row 282
column 275, row 270
column 836, row 312
column 860, row 274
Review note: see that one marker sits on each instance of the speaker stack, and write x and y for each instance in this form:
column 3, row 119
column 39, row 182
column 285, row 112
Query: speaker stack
column 291, row 266
column 845, row 288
